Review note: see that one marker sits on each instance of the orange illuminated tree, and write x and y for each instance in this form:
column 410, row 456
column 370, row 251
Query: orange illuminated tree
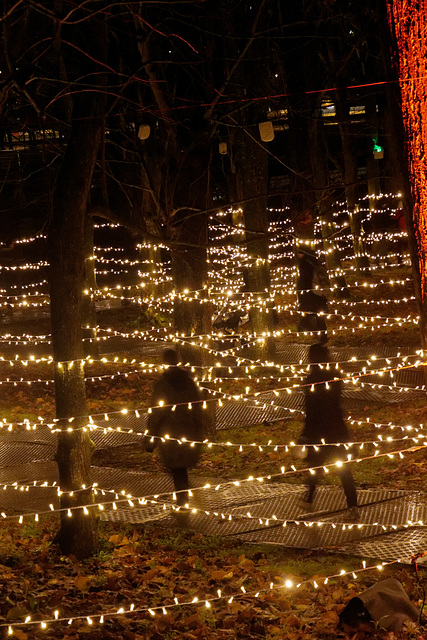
column 408, row 28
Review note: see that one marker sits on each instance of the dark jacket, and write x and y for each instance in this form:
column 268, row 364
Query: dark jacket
column 323, row 414
column 308, row 300
column 176, row 388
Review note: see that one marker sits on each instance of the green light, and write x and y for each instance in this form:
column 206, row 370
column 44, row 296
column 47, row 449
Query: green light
column 377, row 148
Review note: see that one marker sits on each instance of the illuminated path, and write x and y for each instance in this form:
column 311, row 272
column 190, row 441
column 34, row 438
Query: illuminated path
column 370, row 540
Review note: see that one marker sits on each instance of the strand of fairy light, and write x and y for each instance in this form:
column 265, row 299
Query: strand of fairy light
column 22, row 267
column 129, row 499
column 247, row 396
column 162, row 333
column 91, row 426
column 130, row 286
column 287, row 447
column 292, row 307
column 364, row 318
column 205, row 600
column 168, row 299
column 143, row 500
column 295, row 388
column 347, row 377
column 88, row 378
column 220, row 214
column 263, row 404
column 259, row 338
column 171, row 336
column 254, row 298
column 152, row 499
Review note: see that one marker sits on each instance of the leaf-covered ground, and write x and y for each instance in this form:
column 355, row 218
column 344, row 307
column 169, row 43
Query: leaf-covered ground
column 149, row 566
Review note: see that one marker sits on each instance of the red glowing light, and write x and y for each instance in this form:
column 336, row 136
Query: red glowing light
column 408, row 25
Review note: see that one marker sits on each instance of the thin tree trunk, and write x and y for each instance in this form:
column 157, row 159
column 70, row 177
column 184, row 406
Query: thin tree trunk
column 332, row 258
column 89, row 322
column 253, row 180
column 192, row 314
column 350, row 179
column 78, row 532
column 319, row 165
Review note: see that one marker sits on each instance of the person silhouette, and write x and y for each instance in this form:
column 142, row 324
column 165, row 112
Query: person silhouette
column 324, row 423
column 176, row 414
column 309, row 302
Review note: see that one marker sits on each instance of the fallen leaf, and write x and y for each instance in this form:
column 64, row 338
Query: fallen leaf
column 338, row 594
column 227, row 576
column 192, row 622
column 150, row 573
column 218, row 574
column 330, row 617
column 115, row 538
column 83, row 582
column 15, row 612
column 293, row 621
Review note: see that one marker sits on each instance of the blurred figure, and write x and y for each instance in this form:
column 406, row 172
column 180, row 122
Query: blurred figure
column 324, row 421
column 172, row 416
column 309, row 302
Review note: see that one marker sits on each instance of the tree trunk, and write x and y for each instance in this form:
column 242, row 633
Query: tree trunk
column 253, row 181
column 78, row 533
column 319, row 165
column 332, row 257
column 350, row 179
column 408, row 25
column 89, row 323
column 192, row 311
column 189, row 266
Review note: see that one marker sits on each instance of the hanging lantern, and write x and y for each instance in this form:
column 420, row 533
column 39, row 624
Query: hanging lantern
column 222, row 148
column 144, row 131
column 266, row 131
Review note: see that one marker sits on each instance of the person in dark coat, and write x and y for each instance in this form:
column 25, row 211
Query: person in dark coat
column 324, row 421
column 309, row 302
column 172, row 416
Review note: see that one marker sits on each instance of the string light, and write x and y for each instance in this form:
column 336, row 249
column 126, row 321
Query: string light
column 142, row 500
column 205, row 600
column 251, row 300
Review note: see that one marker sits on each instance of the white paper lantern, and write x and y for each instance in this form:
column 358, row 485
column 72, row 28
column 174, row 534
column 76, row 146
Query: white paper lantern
column 222, row 148
column 266, row 131
column 144, row 131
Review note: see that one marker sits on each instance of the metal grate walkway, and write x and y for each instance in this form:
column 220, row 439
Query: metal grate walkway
column 27, row 456
column 262, row 500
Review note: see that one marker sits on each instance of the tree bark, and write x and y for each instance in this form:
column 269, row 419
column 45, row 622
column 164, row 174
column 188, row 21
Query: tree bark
column 408, row 25
column 78, row 533
column 319, row 165
column 89, row 323
column 253, row 181
column 350, row 180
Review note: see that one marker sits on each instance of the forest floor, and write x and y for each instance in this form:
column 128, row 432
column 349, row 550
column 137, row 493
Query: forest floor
column 150, row 566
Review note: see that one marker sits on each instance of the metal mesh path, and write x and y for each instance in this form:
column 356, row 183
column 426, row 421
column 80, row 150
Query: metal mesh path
column 27, row 456
column 378, row 507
